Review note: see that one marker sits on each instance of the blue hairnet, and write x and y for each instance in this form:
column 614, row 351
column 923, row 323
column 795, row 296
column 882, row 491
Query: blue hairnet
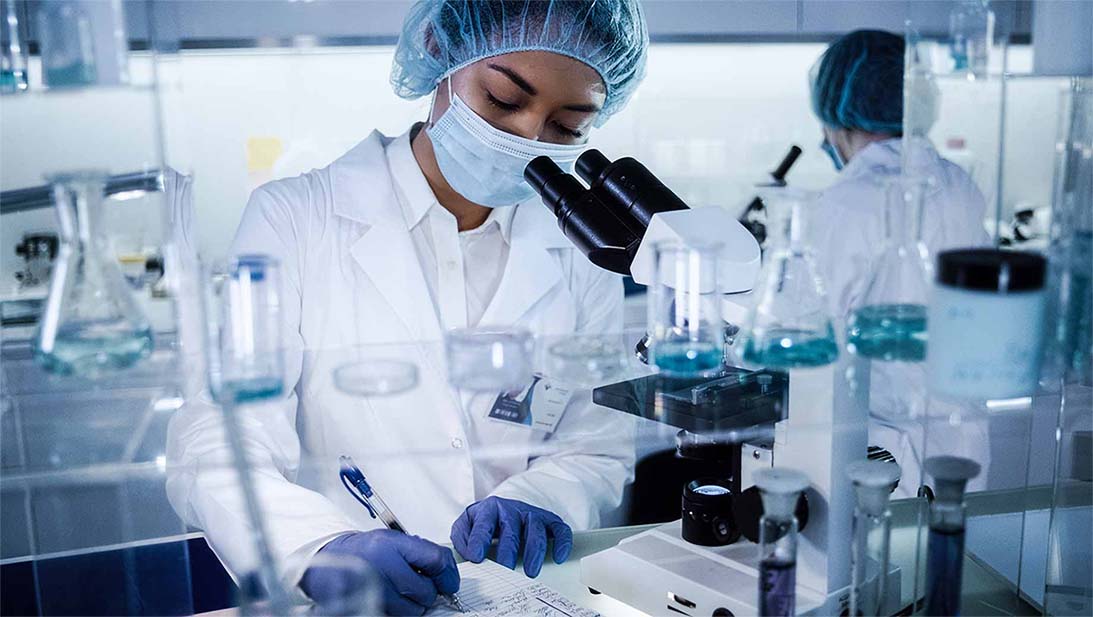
column 858, row 83
column 440, row 37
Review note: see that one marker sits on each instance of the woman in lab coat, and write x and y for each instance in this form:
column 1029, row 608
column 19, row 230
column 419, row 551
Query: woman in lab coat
column 399, row 240
column 857, row 93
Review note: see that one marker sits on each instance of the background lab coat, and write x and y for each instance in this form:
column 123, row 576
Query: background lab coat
column 352, row 278
column 846, row 232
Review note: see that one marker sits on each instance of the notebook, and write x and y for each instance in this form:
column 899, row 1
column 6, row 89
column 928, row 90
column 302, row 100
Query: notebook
column 491, row 590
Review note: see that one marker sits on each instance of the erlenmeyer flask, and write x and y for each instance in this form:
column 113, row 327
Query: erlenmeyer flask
column 91, row 322
column 790, row 325
column 889, row 323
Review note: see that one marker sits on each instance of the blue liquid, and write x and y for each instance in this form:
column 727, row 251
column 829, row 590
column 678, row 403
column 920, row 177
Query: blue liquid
column 777, row 588
column 76, row 74
column 686, row 358
column 792, row 349
column 944, row 566
column 888, row 332
column 90, row 348
column 1078, row 337
column 253, row 389
column 12, row 81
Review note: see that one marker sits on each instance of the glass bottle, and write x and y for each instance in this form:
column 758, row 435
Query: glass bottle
column 790, row 326
column 971, row 27
column 91, row 320
column 945, row 547
column 686, row 331
column 871, row 535
column 889, row 323
column 13, row 55
column 779, row 489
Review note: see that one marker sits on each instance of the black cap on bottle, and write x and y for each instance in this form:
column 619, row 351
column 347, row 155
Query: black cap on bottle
column 991, row 270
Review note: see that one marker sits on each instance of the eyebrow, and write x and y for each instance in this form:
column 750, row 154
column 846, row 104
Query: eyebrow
column 522, row 83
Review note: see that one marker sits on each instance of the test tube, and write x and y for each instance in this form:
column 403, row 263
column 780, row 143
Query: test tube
column 779, row 489
column 871, row 535
column 945, row 546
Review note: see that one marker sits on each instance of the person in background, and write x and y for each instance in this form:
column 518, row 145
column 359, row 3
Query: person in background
column 857, row 94
column 399, row 240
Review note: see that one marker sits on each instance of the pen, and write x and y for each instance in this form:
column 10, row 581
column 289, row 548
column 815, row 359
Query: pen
column 354, row 481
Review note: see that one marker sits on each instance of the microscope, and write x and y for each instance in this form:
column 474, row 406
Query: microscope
column 739, row 421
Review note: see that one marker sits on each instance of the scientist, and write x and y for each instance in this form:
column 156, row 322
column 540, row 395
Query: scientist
column 399, row 240
column 857, row 94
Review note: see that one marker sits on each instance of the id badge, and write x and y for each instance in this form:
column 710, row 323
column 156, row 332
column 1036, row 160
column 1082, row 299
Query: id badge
column 539, row 406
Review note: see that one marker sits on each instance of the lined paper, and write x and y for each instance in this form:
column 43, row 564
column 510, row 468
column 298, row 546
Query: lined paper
column 488, row 589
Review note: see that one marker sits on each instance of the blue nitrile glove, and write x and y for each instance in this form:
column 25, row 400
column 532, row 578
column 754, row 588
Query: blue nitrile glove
column 514, row 523
column 412, row 570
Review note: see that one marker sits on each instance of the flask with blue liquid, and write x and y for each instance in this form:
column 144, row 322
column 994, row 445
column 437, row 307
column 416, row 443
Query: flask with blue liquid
column 790, row 325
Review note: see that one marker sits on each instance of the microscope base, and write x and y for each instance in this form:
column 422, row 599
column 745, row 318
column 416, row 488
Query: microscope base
column 660, row 573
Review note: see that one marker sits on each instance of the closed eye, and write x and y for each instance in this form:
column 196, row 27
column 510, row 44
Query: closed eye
column 498, row 103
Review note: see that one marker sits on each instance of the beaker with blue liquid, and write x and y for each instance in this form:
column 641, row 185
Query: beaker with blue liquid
column 91, row 322
column 245, row 338
column 889, row 322
column 686, row 331
column 790, row 325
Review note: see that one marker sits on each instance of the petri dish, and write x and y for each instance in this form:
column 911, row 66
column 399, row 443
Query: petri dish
column 375, row 377
column 489, row 359
column 586, row 360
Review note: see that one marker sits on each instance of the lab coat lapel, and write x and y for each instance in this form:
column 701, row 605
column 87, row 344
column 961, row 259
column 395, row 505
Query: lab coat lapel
column 387, row 256
column 532, row 270
column 384, row 251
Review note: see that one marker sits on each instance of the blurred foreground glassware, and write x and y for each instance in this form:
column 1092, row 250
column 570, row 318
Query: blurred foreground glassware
column 244, row 354
column 489, row 359
column 91, row 322
column 83, row 43
column 243, row 317
column 779, row 489
column 686, row 331
column 790, row 325
column 587, row 359
column 871, row 535
column 376, row 377
column 945, row 547
column 971, row 28
column 13, row 55
column 889, row 322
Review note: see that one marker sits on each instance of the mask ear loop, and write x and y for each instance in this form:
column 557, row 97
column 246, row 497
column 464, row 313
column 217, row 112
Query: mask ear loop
column 432, row 105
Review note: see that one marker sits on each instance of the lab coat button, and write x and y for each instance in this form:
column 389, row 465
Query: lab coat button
column 457, row 443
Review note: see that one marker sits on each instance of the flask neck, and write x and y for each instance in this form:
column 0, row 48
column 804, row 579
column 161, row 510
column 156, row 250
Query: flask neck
column 78, row 202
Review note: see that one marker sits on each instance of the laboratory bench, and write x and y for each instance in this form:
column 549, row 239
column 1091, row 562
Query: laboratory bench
column 986, row 590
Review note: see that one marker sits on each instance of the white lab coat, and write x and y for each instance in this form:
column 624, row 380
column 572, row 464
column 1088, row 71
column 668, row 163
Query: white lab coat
column 352, row 278
column 846, row 232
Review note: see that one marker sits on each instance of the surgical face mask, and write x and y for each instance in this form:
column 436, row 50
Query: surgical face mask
column 833, row 152
column 485, row 164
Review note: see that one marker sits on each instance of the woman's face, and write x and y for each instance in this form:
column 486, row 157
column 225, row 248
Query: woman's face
column 537, row 95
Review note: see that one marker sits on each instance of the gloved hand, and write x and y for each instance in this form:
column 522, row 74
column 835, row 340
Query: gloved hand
column 412, row 570
column 515, row 523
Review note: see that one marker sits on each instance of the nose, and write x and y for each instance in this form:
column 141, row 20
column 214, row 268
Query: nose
column 528, row 126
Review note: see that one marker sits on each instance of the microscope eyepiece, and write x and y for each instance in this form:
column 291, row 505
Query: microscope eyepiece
column 590, row 165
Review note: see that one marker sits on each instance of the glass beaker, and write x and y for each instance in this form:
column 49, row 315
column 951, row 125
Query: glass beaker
column 686, row 332
column 790, row 325
column 91, row 321
column 245, row 342
column 13, row 55
column 889, row 322
column 68, row 44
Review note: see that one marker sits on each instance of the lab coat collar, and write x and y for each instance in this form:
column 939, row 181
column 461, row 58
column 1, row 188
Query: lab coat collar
column 876, row 159
column 417, row 195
